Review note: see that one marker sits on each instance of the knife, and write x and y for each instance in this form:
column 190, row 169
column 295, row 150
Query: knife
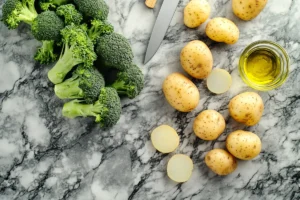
column 160, row 28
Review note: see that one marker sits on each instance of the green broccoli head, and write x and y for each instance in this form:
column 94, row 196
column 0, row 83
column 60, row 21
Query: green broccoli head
column 52, row 4
column 16, row 11
column 85, row 83
column 45, row 54
column 77, row 49
column 106, row 110
column 114, row 51
column 96, row 9
column 99, row 28
column 129, row 82
column 47, row 26
column 70, row 14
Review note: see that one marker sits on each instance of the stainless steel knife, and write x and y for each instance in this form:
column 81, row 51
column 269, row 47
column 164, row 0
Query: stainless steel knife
column 160, row 28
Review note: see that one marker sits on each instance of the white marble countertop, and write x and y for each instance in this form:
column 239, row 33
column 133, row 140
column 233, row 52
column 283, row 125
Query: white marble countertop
column 45, row 156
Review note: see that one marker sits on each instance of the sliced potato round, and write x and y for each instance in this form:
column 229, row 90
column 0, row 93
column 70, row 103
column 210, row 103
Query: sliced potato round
column 219, row 81
column 165, row 139
column 180, row 168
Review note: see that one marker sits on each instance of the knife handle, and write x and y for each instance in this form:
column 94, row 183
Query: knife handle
column 150, row 3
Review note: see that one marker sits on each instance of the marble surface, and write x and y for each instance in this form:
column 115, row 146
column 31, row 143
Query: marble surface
column 45, row 156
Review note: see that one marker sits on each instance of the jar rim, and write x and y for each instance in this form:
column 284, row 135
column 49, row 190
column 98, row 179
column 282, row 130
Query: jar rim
column 274, row 48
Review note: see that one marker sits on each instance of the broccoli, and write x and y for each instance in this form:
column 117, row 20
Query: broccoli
column 99, row 28
column 85, row 83
column 77, row 49
column 70, row 14
column 45, row 54
column 106, row 110
column 16, row 11
column 129, row 82
column 114, row 51
column 96, row 9
column 52, row 4
column 46, row 27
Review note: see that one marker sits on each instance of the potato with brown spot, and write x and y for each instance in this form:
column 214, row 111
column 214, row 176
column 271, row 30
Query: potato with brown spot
column 247, row 108
column 196, row 59
column 221, row 162
column 181, row 93
column 222, row 30
column 248, row 9
column 209, row 125
column 196, row 13
column 243, row 144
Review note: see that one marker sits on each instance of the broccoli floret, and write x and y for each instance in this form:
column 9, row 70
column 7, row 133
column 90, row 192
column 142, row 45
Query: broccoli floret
column 99, row 28
column 106, row 110
column 114, row 51
column 16, row 11
column 129, row 82
column 96, row 9
column 45, row 54
column 52, row 4
column 70, row 14
column 85, row 83
column 77, row 49
column 47, row 26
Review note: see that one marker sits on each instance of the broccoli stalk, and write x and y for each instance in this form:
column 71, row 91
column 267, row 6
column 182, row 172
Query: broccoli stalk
column 52, row 4
column 99, row 28
column 77, row 49
column 106, row 110
column 129, row 82
column 70, row 14
column 16, row 11
column 45, row 54
column 85, row 83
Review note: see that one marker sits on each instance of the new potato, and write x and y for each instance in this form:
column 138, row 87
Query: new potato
column 243, row 144
column 181, row 93
column 248, row 9
column 222, row 30
column 196, row 13
column 196, row 59
column 246, row 108
column 209, row 125
column 220, row 161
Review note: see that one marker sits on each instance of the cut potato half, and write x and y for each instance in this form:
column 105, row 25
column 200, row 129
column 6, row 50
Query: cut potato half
column 165, row 139
column 219, row 81
column 180, row 168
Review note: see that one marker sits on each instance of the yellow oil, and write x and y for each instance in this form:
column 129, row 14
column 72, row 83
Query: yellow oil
column 262, row 67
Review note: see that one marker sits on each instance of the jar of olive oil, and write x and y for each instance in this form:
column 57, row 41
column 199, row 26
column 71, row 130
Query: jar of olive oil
column 264, row 65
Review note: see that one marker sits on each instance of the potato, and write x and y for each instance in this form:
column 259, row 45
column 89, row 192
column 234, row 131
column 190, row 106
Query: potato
column 219, row 81
column 209, row 125
column 196, row 13
column 243, row 144
column 222, row 30
column 248, row 9
column 180, row 168
column 165, row 139
column 220, row 161
column 181, row 93
column 196, row 59
column 246, row 108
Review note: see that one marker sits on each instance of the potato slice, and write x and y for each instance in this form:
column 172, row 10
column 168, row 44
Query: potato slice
column 165, row 139
column 219, row 81
column 180, row 168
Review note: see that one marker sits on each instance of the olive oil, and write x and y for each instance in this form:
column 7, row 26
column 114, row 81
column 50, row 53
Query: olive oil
column 262, row 67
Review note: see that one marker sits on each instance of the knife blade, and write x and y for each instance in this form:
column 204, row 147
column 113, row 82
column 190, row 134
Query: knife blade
column 160, row 28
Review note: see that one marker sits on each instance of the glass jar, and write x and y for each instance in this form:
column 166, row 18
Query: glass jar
column 264, row 65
